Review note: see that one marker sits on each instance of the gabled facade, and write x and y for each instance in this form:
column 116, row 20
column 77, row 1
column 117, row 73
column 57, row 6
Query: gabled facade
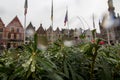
column 50, row 34
column 64, row 33
column 42, row 36
column 2, row 33
column 57, row 34
column 29, row 32
column 68, row 34
column 14, row 33
column 71, row 33
column 88, row 35
column 41, row 31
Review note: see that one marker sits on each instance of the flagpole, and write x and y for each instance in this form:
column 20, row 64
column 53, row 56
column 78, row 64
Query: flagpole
column 68, row 29
column 94, row 27
column 68, row 19
column 66, row 22
column 24, row 28
column 52, row 31
column 52, row 22
column 25, row 12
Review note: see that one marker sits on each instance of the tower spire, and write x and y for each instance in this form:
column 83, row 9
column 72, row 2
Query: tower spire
column 111, row 7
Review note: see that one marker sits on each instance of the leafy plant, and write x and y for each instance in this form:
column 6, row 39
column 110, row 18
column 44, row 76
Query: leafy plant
column 85, row 61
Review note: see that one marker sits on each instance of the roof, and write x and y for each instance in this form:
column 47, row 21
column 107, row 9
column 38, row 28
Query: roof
column 30, row 26
column 14, row 21
column 41, row 30
column 50, row 29
column 57, row 31
column 1, row 22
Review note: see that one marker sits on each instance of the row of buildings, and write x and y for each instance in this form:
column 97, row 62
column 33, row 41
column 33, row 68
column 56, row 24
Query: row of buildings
column 109, row 28
column 13, row 34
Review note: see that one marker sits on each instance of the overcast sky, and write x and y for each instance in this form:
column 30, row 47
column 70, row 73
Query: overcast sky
column 39, row 11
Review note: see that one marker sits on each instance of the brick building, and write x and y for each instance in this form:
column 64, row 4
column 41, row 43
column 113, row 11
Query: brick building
column 2, row 33
column 14, row 33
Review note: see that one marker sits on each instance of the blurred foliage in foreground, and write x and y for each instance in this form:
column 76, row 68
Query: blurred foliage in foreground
column 86, row 61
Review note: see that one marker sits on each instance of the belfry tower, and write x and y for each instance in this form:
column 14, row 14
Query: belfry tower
column 111, row 33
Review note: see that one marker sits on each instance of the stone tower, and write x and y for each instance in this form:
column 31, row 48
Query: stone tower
column 111, row 30
column 111, row 8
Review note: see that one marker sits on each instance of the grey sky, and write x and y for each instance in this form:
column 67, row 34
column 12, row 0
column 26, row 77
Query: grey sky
column 39, row 11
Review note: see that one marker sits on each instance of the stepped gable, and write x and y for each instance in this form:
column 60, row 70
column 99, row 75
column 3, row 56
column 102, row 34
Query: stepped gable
column 41, row 30
column 1, row 23
column 49, row 29
column 30, row 26
column 16, row 22
column 57, row 30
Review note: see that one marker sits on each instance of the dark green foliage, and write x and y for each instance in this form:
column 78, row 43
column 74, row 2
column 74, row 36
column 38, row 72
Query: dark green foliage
column 87, row 61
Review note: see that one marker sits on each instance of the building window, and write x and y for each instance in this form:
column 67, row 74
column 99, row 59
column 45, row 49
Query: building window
column 1, row 30
column 12, row 36
column 0, row 36
column 18, row 37
column 18, row 30
column 15, row 36
column 9, row 36
column 12, row 29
